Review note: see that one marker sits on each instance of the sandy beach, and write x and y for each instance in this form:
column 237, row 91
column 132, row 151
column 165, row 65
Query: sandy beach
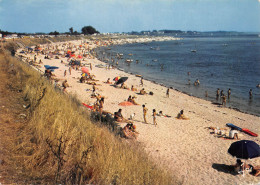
column 187, row 148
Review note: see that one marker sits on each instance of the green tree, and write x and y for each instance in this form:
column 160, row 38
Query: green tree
column 54, row 33
column 71, row 30
column 88, row 30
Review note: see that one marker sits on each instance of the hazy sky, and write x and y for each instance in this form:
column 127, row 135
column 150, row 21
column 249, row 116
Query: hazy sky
column 129, row 15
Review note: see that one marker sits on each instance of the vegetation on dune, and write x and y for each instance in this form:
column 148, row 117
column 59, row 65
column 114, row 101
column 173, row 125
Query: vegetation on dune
column 59, row 143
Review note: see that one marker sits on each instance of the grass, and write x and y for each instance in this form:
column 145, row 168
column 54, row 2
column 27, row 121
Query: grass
column 59, row 142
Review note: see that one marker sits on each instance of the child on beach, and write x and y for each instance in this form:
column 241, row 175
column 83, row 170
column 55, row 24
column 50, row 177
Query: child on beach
column 167, row 92
column 154, row 117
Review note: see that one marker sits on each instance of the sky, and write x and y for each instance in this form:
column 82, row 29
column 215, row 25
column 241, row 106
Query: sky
column 32, row 16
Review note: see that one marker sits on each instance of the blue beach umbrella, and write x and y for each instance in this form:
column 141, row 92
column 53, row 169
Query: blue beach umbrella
column 244, row 149
column 51, row 67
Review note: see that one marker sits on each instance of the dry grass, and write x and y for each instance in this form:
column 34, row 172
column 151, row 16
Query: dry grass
column 60, row 144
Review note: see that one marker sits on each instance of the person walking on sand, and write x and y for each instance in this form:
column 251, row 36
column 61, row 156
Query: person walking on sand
column 65, row 72
column 90, row 65
column 142, row 83
column 145, row 112
column 70, row 70
column 154, row 117
column 167, row 92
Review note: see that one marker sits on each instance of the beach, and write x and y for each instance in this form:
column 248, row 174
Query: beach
column 184, row 147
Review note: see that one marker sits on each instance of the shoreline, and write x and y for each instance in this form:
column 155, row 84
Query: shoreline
column 173, row 143
column 237, row 101
column 163, row 85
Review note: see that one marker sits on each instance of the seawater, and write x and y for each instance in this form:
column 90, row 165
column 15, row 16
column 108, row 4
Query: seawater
column 218, row 62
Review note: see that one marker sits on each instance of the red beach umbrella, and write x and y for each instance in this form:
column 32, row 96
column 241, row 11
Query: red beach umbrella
column 85, row 70
column 116, row 78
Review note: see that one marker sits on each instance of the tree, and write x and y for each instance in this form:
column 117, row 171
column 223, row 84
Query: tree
column 54, row 33
column 71, row 30
column 88, row 30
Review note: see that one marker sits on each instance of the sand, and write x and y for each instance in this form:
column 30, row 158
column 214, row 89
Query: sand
column 186, row 148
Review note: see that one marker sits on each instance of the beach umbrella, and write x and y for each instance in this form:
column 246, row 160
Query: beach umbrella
column 125, row 103
column 121, row 80
column 244, row 149
column 116, row 78
column 51, row 67
column 85, row 70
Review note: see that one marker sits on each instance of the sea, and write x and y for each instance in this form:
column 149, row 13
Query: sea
column 224, row 62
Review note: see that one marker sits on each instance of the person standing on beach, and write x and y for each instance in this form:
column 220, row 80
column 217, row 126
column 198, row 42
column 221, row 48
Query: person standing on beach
column 206, row 94
column 217, row 94
column 167, row 92
column 250, row 94
column 229, row 93
column 90, row 65
column 224, row 99
column 221, row 93
column 93, row 88
column 101, row 105
column 70, row 70
column 154, row 117
column 65, row 72
column 142, row 83
column 145, row 112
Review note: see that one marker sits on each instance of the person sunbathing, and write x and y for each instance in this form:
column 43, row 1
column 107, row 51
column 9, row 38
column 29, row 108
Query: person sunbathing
column 181, row 115
column 233, row 134
column 131, row 99
column 162, row 115
column 108, row 81
column 133, row 89
column 240, row 166
column 119, row 117
column 142, row 92
column 255, row 170
column 123, row 86
column 130, row 131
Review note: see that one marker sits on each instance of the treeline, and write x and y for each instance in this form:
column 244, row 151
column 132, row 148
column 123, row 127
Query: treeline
column 86, row 30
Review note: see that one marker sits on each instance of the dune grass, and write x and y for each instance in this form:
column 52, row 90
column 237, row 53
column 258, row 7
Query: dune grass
column 60, row 144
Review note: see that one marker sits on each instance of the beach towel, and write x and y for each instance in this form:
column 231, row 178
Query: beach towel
column 125, row 103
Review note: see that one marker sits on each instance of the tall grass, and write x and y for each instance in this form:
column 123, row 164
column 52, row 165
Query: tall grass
column 60, row 144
